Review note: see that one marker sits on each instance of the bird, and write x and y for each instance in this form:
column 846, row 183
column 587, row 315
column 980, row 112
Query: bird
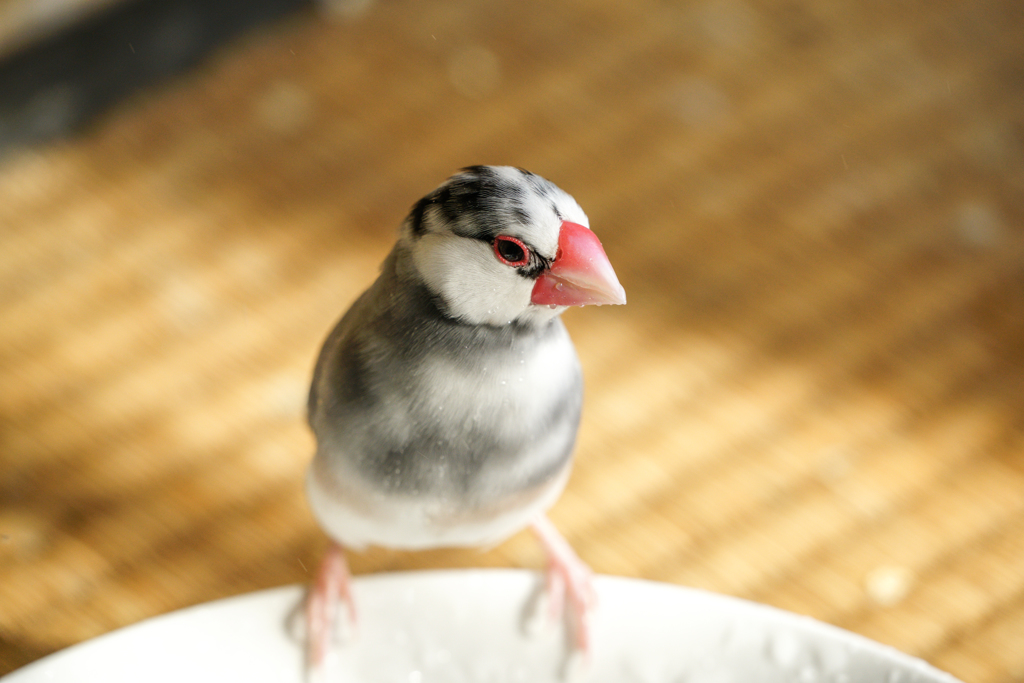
column 446, row 401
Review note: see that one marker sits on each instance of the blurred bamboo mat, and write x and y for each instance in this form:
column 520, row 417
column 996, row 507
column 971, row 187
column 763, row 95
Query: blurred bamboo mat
column 814, row 399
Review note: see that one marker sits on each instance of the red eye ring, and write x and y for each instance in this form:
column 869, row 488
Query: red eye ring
column 507, row 242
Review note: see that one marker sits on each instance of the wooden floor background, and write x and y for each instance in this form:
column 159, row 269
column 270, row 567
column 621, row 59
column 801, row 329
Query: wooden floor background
column 814, row 399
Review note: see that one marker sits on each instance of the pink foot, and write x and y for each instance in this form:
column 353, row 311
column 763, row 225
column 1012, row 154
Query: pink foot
column 567, row 577
column 333, row 584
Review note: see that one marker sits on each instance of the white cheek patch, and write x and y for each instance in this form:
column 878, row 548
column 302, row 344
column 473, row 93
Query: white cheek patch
column 477, row 288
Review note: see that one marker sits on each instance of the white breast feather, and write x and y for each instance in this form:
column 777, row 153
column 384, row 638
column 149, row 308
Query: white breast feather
column 514, row 388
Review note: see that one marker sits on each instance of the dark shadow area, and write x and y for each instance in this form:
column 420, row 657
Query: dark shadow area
column 56, row 86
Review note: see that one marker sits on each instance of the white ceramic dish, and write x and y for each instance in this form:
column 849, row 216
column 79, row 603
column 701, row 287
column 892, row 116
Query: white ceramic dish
column 456, row 626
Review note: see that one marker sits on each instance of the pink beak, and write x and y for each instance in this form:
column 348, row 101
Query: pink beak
column 581, row 274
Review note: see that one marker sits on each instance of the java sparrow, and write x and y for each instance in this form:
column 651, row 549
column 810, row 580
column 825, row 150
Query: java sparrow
column 446, row 401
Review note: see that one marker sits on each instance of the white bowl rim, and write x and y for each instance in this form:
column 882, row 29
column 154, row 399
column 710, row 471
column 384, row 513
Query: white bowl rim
column 370, row 587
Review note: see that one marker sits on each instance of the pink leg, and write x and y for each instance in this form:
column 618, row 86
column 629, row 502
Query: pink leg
column 567, row 576
column 332, row 585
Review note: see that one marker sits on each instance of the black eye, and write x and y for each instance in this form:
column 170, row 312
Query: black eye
column 510, row 251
